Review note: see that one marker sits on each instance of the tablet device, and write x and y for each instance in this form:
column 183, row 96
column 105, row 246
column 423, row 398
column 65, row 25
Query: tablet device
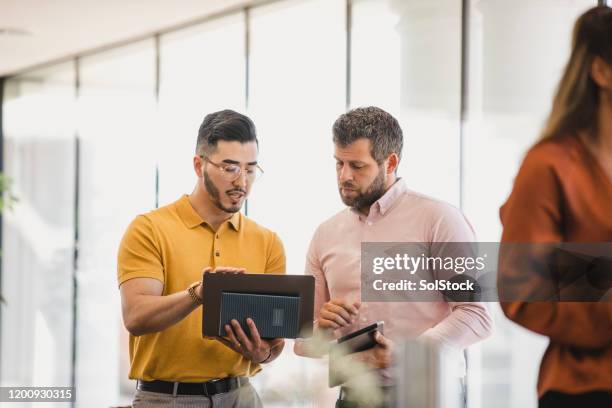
column 282, row 306
column 359, row 340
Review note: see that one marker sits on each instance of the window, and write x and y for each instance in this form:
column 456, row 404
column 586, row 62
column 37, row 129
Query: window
column 116, row 182
column 406, row 58
column 515, row 64
column 202, row 70
column 296, row 91
column 38, row 234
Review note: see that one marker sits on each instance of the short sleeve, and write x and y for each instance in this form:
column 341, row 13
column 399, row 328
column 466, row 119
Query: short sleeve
column 276, row 262
column 139, row 253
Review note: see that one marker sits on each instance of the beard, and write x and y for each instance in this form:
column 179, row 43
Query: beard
column 375, row 190
column 215, row 196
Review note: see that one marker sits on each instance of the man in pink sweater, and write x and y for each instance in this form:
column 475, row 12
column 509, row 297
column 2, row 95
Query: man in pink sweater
column 368, row 146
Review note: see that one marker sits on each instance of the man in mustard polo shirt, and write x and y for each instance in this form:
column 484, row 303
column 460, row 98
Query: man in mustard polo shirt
column 160, row 263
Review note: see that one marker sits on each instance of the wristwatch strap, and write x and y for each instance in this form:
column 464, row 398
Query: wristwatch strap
column 192, row 293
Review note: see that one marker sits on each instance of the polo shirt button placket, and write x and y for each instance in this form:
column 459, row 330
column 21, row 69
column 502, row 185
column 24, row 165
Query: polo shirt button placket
column 215, row 245
column 217, row 254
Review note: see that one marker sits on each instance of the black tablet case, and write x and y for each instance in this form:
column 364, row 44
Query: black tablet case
column 280, row 305
column 274, row 316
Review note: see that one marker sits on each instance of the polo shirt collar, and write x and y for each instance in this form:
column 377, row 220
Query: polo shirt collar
column 235, row 221
column 192, row 219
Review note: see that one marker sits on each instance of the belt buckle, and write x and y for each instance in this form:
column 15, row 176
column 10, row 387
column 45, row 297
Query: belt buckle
column 212, row 383
column 205, row 389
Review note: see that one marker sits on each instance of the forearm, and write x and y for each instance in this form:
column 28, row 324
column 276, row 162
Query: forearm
column 315, row 346
column 150, row 314
column 465, row 325
column 300, row 348
column 309, row 348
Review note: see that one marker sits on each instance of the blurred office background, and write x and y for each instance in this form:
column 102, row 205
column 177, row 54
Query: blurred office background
column 92, row 139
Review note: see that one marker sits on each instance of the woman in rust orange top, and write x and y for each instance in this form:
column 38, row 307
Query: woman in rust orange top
column 563, row 193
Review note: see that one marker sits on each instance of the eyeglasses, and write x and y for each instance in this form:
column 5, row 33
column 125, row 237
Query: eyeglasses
column 232, row 172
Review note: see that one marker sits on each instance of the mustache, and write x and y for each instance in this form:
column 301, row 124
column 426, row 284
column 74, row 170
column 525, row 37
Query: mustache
column 236, row 190
column 348, row 185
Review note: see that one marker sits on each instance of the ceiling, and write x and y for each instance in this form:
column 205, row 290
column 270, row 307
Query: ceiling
column 34, row 32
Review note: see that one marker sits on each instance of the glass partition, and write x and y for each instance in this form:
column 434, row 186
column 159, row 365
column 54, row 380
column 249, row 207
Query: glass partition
column 202, row 70
column 117, row 130
column 38, row 232
column 515, row 63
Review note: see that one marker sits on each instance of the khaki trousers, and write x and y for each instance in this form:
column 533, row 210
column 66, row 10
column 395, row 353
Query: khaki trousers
column 243, row 397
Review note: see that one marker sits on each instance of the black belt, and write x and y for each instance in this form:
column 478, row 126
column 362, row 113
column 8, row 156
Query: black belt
column 207, row 389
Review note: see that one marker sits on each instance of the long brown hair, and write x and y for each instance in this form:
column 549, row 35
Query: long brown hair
column 576, row 102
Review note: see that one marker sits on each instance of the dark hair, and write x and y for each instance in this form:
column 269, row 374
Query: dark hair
column 577, row 99
column 224, row 125
column 374, row 124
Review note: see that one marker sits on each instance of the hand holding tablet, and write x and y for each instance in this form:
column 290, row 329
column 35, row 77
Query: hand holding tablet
column 252, row 347
column 352, row 346
column 360, row 340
